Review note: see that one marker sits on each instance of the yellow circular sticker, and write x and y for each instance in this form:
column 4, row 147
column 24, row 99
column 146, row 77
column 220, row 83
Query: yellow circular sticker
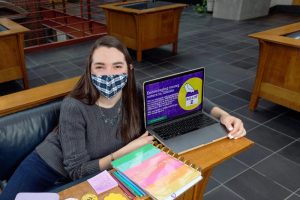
column 190, row 94
column 113, row 196
column 89, row 197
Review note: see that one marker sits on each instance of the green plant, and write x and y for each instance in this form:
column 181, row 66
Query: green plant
column 201, row 7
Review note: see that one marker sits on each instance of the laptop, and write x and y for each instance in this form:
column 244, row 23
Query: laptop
column 173, row 112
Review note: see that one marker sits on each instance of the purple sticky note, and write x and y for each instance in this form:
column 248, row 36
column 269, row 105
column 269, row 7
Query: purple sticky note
column 37, row 196
column 102, row 182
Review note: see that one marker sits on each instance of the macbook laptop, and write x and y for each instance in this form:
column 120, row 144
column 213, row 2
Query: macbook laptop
column 173, row 112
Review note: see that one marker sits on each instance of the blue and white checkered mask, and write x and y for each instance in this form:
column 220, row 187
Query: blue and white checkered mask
column 109, row 85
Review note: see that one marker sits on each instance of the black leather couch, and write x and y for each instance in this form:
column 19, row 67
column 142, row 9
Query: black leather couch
column 21, row 132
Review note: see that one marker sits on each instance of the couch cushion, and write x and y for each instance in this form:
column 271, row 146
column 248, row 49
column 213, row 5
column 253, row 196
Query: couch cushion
column 21, row 132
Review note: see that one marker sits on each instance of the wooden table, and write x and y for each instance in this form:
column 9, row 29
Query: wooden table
column 278, row 71
column 12, row 62
column 83, row 188
column 142, row 29
column 206, row 158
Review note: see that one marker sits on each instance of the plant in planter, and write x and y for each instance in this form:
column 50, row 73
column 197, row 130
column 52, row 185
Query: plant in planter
column 201, row 7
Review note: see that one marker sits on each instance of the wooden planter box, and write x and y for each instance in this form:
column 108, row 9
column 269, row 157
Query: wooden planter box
column 12, row 63
column 278, row 72
column 140, row 25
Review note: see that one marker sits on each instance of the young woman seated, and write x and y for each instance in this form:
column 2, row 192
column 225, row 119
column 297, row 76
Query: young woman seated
column 100, row 120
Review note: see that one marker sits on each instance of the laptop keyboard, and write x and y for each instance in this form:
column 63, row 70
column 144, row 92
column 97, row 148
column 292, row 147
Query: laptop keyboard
column 183, row 126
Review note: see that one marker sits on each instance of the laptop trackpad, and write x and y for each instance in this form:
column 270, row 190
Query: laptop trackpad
column 197, row 138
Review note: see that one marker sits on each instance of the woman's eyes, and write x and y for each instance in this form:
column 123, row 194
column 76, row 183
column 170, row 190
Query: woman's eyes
column 115, row 67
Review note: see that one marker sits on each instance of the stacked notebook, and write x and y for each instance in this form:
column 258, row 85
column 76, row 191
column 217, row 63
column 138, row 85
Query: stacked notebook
column 160, row 174
column 129, row 187
column 37, row 196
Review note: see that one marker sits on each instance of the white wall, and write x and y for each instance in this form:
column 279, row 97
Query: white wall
column 281, row 2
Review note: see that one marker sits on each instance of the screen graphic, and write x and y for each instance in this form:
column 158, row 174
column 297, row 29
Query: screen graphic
column 174, row 96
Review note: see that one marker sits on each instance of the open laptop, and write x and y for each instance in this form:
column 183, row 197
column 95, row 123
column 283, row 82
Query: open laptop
column 173, row 112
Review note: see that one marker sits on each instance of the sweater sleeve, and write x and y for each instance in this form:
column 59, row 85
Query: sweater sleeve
column 72, row 133
column 208, row 105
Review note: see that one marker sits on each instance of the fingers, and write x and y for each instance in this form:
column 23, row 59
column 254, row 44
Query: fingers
column 241, row 135
column 228, row 122
column 229, row 126
column 149, row 139
column 235, row 127
column 238, row 134
column 146, row 137
column 145, row 134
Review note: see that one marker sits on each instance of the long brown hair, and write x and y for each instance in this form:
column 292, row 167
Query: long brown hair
column 85, row 91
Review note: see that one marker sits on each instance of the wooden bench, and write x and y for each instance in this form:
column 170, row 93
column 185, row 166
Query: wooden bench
column 35, row 96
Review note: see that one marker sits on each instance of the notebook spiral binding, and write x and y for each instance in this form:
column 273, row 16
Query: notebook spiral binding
column 175, row 155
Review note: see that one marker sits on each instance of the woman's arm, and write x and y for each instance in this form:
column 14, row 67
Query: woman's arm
column 105, row 162
column 72, row 136
column 233, row 124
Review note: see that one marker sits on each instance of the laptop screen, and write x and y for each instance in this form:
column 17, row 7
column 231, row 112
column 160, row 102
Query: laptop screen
column 173, row 96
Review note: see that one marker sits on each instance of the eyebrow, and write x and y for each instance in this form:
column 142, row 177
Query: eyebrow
column 118, row 63
column 115, row 63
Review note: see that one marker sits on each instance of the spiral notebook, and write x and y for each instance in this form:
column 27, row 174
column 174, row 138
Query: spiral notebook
column 159, row 172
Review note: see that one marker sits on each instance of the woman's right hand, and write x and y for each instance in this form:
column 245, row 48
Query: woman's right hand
column 138, row 142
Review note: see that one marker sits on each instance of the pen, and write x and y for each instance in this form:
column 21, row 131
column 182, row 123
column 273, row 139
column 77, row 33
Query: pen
column 129, row 185
column 133, row 184
column 126, row 185
column 136, row 192
column 129, row 194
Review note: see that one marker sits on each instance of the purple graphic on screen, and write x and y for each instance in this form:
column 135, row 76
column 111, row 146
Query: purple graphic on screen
column 162, row 98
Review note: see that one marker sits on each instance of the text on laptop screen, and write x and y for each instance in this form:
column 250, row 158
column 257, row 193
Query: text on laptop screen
column 174, row 96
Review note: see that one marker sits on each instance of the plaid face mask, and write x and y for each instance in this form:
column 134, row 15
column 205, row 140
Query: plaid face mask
column 109, row 85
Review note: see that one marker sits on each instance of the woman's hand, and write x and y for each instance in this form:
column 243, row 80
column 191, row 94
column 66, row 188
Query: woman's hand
column 138, row 142
column 234, row 126
column 105, row 162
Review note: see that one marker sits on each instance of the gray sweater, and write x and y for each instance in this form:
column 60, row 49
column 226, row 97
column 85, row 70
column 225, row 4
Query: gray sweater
column 83, row 138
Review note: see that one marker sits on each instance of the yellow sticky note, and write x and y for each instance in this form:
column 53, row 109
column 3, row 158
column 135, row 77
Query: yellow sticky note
column 113, row 196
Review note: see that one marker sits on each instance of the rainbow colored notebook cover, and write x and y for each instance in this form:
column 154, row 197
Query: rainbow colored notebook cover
column 158, row 173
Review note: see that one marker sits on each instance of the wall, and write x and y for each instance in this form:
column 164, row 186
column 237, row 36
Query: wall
column 281, row 2
column 240, row 9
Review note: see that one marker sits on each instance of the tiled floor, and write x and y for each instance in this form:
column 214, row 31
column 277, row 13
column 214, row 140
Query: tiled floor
column 270, row 169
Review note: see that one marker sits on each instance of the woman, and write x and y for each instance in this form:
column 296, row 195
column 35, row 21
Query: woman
column 99, row 121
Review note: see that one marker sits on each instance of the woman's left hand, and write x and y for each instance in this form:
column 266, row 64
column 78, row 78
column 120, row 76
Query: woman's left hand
column 234, row 126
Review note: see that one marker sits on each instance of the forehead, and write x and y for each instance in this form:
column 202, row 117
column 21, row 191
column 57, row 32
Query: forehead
column 108, row 55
